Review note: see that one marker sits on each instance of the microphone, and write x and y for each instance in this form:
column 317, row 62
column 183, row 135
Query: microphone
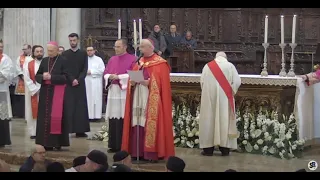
column 137, row 61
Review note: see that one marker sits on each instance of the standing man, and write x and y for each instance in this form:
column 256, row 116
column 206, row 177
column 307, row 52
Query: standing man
column 52, row 127
column 76, row 103
column 159, row 40
column 217, row 125
column 116, row 76
column 19, row 92
column 94, row 85
column 6, row 75
column 33, row 87
column 148, row 109
column 172, row 39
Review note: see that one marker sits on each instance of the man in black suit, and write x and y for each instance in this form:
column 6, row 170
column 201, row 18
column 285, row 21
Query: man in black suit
column 172, row 39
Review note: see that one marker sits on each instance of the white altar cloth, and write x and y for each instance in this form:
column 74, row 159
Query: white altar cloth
column 307, row 100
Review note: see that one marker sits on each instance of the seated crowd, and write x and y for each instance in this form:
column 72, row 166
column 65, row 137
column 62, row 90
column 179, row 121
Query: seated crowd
column 95, row 161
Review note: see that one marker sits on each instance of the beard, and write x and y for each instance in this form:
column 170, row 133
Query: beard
column 74, row 45
column 39, row 57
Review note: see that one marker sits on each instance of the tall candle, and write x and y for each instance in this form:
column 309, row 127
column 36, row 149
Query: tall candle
column 135, row 33
column 282, row 29
column 140, row 31
column 266, row 30
column 119, row 29
column 294, row 23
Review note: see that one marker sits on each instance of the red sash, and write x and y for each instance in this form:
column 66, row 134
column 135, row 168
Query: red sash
column 20, row 86
column 34, row 98
column 57, row 108
column 223, row 82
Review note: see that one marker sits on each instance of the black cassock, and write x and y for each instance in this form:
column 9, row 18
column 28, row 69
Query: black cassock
column 76, row 110
column 57, row 69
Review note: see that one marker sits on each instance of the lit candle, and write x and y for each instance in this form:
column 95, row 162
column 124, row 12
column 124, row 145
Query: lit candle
column 135, row 33
column 119, row 29
column 282, row 29
column 266, row 30
column 140, row 31
column 294, row 23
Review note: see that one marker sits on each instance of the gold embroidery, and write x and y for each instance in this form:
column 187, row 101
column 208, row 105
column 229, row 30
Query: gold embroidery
column 152, row 116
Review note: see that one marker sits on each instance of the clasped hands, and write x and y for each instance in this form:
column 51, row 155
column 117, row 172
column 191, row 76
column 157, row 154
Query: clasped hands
column 46, row 76
column 144, row 83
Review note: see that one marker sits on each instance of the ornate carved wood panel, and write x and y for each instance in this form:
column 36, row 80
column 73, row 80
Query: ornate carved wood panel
column 238, row 31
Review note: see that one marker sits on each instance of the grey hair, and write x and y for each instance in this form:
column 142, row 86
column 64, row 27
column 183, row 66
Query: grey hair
column 147, row 42
column 222, row 54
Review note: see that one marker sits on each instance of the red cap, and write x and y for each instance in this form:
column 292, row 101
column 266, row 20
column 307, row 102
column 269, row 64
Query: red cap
column 54, row 43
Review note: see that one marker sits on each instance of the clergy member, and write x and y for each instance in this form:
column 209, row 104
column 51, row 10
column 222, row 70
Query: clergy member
column 76, row 102
column 313, row 77
column 116, row 76
column 148, row 109
column 6, row 68
column 19, row 93
column 32, row 92
column 94, row 85
column 52, row 127
column 217, row 125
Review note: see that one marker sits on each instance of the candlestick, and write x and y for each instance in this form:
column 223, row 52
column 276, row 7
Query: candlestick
column 294, row 23
column 291, row 71
column 119, row 29
column 135, row 36
column 282, row 29
column 264, row 72
column 266, row 30
column 283, row 72
column 140, row 31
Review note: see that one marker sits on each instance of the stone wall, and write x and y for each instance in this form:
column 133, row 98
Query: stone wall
column 25, row 25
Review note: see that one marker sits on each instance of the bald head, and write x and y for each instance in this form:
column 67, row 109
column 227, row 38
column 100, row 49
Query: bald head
column 53, row 50
column 221, row 54
column 146, row 47
column 38, row 153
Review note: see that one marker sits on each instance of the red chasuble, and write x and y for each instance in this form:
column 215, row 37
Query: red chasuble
column 158, row 127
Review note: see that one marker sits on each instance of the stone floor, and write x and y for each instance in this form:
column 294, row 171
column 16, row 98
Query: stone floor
column 21, row 145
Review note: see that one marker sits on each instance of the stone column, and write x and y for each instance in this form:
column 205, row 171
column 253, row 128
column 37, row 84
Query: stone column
column 25, row 26
column 68, row 21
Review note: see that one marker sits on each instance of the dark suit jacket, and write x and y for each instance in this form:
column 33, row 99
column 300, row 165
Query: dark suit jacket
column 171, row 42
column 27, row 166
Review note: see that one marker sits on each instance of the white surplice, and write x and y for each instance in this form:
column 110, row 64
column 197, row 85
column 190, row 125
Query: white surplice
column 116, row 101
column 94, row 87
column 6, row 75
column 216, row 123
column 31, row 89
column 139, row 105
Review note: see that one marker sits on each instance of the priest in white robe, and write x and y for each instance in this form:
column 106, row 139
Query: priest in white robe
column 6, row 75
column 94, row 85
column 217, row 124
column 30, row 70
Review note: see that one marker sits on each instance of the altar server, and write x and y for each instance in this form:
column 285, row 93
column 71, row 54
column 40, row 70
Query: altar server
column 94, row 84
column 217, row 125
column 116, row 76
column 32, row 89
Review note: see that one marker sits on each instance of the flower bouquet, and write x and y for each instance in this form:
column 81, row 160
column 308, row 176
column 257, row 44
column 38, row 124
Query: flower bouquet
column 185, row 127
column 101, row 135
column 266, row 134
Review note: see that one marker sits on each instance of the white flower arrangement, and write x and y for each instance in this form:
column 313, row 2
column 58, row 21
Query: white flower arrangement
column 266, row 134
column 185, row 127
column 101, row 135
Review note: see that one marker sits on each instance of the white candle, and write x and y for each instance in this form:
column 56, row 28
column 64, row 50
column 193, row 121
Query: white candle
column 266, row 30
column 135, row 33
column 282, row 29
column 119, row 29
column 140, row 31
column 294, row 23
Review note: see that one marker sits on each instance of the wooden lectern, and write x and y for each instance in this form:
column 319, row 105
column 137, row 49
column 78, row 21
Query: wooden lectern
column 182, row 60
